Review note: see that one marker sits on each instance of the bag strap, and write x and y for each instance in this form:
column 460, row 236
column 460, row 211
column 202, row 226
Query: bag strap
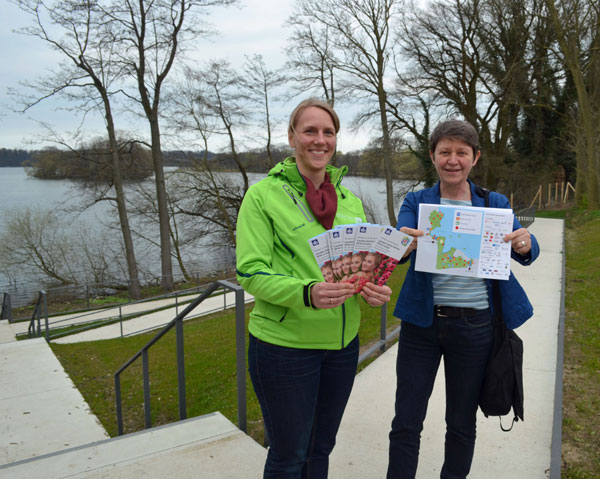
column 498, row 321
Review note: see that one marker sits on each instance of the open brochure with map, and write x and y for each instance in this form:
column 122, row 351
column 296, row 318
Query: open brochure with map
column 359, row 253
column 464, row 241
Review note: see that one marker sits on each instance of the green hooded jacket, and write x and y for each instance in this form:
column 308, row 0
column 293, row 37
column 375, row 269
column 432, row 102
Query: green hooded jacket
column 276, row 265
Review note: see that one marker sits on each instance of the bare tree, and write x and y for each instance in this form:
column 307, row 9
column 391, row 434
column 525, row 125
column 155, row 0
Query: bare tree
column 209, row 103
column 577, row 23
column 476, row 56
column 360, row 32
column 40, row 241
column 259, row 81
column 224, row 99
column 151, row 34
column 310, row 58
column 33, row 238
column 87, row 77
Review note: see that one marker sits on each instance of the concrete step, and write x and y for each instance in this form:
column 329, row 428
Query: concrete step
column 41, row 411
column 208, row 447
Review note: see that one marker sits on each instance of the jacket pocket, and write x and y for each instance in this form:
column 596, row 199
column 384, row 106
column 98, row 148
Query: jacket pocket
column 273, row 312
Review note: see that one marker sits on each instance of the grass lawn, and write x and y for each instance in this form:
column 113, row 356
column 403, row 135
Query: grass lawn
column 209, row 365
column 581, row 375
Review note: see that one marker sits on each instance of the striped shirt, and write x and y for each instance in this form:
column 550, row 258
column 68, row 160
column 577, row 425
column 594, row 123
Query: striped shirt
column 459, row 291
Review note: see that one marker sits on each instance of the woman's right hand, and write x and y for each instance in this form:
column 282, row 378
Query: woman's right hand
column 325, row 295
column 415, row 234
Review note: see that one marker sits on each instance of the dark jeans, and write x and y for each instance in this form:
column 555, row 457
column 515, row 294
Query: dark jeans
column 302, row 394
column 465, row 343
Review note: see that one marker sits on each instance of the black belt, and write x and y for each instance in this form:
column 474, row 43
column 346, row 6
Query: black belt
column 453, row 312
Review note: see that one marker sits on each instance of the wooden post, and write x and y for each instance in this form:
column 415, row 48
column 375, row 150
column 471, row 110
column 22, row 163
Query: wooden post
column 511, row 200
column 549, row 194
column 538, row 196
column 562, row 191
column 569, row 185
column 556, row 193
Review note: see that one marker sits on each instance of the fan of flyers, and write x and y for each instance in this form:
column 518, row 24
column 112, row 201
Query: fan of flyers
column 359, row 253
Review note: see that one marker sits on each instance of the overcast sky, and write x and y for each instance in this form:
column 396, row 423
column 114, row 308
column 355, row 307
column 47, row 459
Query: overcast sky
column 254, row 27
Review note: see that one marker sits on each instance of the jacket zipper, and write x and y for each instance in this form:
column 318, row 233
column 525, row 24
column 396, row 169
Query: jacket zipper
column 299, row 204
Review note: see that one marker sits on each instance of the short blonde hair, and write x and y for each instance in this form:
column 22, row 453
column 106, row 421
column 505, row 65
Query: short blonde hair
column 313, row 101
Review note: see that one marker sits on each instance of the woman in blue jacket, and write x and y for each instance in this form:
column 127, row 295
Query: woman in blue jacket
column 449, row 316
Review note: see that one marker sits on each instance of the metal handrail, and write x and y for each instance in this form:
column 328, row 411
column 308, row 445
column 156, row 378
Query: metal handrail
column 6, row 308
column 41, row 307
column 177, row 323
column 85, row 325
column 526, row 215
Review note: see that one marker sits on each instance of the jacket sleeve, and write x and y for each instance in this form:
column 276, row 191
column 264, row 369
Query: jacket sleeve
column 408, row 216
column 255, row 239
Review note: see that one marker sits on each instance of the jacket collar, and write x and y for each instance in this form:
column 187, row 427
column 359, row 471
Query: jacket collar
column 433, row 195
column 289, row 170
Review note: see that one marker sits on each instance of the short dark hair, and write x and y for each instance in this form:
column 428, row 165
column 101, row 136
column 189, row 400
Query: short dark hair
column 455, row 129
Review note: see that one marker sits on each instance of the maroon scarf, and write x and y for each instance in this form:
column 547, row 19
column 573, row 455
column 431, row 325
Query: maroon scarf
column 322, row 202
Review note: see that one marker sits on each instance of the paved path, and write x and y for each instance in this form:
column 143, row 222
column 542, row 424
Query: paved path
column 523, row 453
column 41, row 411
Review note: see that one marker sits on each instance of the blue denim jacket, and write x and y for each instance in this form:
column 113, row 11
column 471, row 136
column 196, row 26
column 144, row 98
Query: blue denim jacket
column 415, row 302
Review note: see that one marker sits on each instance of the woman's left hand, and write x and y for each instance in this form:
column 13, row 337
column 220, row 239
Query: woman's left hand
column 521, row 240
column 376, row 295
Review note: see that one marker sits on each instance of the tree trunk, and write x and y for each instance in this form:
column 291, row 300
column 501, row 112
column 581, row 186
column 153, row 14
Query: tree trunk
column 132, row 268
column 387, row 159
column 134, row 282
column 163, row 212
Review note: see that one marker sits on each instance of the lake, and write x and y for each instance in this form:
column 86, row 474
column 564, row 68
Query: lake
column 18, row 191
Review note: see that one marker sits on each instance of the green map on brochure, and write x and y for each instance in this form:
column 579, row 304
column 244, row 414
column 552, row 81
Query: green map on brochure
column 464, row 241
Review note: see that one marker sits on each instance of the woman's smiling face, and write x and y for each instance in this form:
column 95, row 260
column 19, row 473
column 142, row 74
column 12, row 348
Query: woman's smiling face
column 314, row 140
column 356, row 262
column 368, row 264
column 346, row 264
column 453, row 160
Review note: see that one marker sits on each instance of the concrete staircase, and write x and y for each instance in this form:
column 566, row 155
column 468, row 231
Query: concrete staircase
column 204, row 447
column 47, row 431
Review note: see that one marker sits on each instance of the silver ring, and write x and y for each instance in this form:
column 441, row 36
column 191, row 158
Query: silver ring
column 330, row 300
column 522, row 243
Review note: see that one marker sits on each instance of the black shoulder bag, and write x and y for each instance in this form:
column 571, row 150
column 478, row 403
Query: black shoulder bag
column 502, row 387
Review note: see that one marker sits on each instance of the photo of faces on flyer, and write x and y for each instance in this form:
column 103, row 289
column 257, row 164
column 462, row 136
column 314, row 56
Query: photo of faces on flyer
column 359, row 253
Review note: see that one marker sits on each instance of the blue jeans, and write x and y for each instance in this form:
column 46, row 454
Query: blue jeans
column 302, row 394
column 465, row 343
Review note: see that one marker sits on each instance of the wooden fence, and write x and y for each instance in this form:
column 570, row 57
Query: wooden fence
column 558, row 195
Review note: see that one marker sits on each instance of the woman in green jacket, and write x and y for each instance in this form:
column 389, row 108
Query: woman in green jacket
column 303, row 347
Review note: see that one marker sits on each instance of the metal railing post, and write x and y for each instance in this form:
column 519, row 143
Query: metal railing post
column 45, row 302
column 6, row 308
column 38, row 311
column 240, row 348
column 383, row 332
column 146, row 380
column 118, row 405
column 180, row 369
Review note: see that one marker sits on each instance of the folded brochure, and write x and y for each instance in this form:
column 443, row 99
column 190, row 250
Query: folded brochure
column 359, row 253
